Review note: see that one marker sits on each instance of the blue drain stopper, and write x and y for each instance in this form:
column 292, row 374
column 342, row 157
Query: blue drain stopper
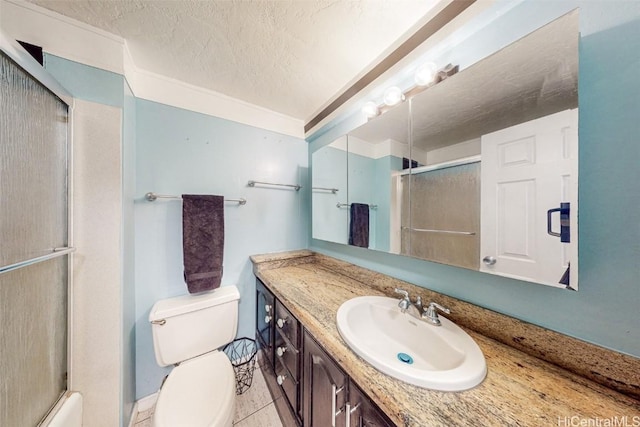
column 405, row 358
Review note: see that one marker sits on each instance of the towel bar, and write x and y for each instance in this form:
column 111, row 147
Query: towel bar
column 57, row 252
column 348, row 205
column 426, row 230
column 333, row 190
column 153, row 196
column 253, row 184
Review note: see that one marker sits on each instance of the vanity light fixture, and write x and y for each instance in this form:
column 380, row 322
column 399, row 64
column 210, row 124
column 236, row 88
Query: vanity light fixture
column 393, row 96
column 426, row 74
column 370, row 109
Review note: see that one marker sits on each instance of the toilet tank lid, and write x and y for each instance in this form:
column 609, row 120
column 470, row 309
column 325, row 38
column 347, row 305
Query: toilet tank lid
column 187, row 303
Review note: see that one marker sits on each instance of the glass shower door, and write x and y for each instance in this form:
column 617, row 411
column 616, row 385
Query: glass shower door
column 33, row 246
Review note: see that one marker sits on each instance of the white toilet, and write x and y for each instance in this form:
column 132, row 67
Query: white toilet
column 201, row 390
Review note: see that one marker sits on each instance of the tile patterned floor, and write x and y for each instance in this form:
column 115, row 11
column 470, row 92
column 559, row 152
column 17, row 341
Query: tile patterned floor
column 254, row 408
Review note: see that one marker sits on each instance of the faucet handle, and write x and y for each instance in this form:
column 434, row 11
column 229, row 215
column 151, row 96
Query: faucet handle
column 402, row 292
column 431, row 313
column 405, row 302
column 434, row 305
column 419, row 302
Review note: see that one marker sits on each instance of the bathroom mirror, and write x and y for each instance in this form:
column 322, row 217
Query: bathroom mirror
column 490, row 182
column 375, row 158
column 329, row 188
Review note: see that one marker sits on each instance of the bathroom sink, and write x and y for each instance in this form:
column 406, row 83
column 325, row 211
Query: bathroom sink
column 400, row 345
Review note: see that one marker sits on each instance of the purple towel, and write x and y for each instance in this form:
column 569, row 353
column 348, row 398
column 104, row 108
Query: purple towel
column 359, row 225
column 202, row 241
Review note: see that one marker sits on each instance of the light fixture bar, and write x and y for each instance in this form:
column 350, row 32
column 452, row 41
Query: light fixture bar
column 445, row 16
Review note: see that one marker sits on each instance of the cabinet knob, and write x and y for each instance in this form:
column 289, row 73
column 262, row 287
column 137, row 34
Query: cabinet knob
column 267, row 308
column 281, row 323
column 280, row 351
column 267, row 319
column 489, row 260
column 280, row 379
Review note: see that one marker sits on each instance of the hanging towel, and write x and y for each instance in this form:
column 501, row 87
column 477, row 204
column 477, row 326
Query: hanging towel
column 359, row 225
column 202, row 241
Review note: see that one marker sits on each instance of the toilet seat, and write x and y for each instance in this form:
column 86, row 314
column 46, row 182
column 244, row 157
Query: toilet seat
column 199, row 392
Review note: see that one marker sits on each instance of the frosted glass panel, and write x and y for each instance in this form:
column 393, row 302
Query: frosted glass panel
column 33, row 354
column 33, row 167
column 444, row 216
column 33, row 221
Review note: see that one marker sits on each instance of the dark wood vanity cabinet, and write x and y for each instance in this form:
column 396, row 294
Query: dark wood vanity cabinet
column 362, row 412
column 309, row 387
column 330, row 397
column 287, row 357
column 278, row 336
column 265, row 310
column 325, row 388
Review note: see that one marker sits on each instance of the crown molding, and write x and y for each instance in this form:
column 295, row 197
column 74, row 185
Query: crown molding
column 155, row 87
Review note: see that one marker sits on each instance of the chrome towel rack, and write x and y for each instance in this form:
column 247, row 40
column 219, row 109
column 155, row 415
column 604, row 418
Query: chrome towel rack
column 333, row 190
column 253, row 184
column 426, row 230
column 348, row 205
column 152, row 197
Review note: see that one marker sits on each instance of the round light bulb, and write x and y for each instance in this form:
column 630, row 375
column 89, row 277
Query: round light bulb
column 370, row 109
column 425, row 74
column 393, row 96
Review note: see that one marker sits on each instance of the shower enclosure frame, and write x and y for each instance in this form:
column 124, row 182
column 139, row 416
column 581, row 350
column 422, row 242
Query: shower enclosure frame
column 22, row 58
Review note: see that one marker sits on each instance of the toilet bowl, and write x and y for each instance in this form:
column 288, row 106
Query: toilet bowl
column 199, row 392
column 187, row 331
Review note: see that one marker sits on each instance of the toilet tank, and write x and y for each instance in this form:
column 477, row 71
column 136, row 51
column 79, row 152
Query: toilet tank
column 190, row 325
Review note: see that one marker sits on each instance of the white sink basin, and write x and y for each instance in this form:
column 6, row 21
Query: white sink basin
column 437, row 357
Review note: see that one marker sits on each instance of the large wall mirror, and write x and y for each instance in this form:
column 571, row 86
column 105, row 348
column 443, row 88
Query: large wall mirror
column 478, row 171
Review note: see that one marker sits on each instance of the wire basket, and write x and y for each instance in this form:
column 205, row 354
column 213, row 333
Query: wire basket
column 242, row 354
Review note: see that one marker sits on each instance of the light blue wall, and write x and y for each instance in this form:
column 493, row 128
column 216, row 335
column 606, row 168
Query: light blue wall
column 178, row 151
column 329, row 222
column 369, row 181
column 173, row 151
column 605, row 310
column 85, row 82
column 361, row 188
column 107, row 88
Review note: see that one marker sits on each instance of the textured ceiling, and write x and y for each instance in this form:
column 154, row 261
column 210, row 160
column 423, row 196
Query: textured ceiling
column 287, row 56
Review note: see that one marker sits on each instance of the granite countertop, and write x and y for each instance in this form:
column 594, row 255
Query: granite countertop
column 519, row 389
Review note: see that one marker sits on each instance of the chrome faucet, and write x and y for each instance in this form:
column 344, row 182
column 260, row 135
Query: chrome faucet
column 405, row 304
column 431, row 313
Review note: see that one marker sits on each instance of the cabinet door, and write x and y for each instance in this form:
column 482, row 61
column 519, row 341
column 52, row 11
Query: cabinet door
column 286, row 324
column 287, row 350
column 264, row 320
column 287, row 344
column 363, row 412
column 325, row 388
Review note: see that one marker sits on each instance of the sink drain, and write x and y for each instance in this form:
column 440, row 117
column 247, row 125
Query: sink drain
column 405, row 358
